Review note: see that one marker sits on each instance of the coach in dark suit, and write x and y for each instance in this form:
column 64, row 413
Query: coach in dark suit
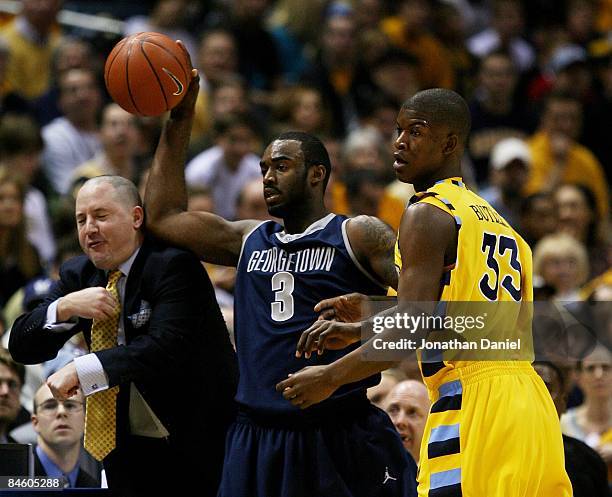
column 170, row 357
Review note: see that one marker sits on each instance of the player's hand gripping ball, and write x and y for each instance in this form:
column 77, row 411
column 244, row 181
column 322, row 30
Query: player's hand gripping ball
column 147, row 74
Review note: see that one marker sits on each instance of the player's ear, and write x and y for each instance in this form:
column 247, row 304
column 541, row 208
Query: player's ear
column 317, row 174
column 450, row 144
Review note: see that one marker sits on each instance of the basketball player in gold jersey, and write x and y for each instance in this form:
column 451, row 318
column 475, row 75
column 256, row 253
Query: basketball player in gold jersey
column 492, row 429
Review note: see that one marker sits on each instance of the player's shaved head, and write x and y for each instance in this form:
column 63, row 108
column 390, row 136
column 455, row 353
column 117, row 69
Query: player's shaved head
column 124, row 190
column 443, row 107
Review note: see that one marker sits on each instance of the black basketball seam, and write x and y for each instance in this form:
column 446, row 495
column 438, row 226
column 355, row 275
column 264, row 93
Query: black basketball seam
column 127, row 78
column 161, row 87
column 112, row 61
column 174, row 56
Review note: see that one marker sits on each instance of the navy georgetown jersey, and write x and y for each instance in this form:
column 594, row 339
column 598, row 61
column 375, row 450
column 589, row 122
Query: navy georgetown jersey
column 281, row 277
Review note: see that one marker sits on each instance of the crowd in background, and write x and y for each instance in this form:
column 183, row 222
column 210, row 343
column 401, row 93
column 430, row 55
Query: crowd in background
column 537, row 76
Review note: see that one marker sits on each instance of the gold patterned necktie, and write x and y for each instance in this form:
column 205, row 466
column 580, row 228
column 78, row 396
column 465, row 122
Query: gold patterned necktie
column 101, row 412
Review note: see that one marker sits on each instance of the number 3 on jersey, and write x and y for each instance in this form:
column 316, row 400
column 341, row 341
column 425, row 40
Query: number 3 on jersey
column 497, row 262
column 282, row 286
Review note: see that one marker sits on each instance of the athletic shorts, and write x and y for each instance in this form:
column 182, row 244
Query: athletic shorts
column 492, row 432
column 349, row 451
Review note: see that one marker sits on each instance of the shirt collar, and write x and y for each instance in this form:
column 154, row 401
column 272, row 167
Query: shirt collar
column 126, row 266
column 53, row 471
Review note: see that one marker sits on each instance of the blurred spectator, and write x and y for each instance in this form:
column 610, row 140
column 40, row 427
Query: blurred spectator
column 388, row 379
column 562, row 262
column 10, row 101
column 450, row 28
column 227, row 166
column 251, row 203
column 599, row 121
column 289, row 43
column 12, row 375
column 496, row 114
column 395, row 73
column 580, row 21
column 32, row 37
column 538, row 217
column 505, row 33
column 217, row 60
column 200, row 199
column 167, row 17
column 365, row 189
column 71, row 53
column 408, row 30
column 558, row 158
column 300, row 108
column 592, row 421
column 217, row 57
column 584, row 466
column 258, row 57
column 19, row 261
column 338, row 71
column 20, row 148
column 567, row 72
column 408, row 406
column 119, row 138
column 578, row 218
column 510, row 162
column 60, row 426
column 72, row 139
column 364, row 149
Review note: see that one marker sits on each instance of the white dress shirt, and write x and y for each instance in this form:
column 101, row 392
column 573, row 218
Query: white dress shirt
column 89, row 368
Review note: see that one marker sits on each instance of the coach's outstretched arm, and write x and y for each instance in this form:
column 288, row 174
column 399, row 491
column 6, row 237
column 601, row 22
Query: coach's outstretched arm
column 211, row 237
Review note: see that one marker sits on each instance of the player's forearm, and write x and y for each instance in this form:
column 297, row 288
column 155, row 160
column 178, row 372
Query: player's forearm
column 166, row 192
column 354, row 367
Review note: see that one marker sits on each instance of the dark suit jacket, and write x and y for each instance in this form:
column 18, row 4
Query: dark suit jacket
column 84, row 479
column 181, row 361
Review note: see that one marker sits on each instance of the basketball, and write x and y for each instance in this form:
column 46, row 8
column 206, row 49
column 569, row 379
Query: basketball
column 147, row 74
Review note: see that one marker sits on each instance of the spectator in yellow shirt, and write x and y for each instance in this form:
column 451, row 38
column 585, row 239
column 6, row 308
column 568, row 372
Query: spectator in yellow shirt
column 32, row 37
column 558, row 158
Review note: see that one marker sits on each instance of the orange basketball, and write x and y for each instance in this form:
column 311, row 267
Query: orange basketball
column 147, row 74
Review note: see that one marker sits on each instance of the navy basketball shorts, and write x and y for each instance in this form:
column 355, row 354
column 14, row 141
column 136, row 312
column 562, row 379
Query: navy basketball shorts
column 347, row 451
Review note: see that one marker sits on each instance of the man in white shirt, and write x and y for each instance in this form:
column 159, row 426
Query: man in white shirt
column 228, row 166
column 73, row 138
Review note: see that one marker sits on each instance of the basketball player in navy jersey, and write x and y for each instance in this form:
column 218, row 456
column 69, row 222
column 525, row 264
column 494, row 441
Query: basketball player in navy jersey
column 343, row 447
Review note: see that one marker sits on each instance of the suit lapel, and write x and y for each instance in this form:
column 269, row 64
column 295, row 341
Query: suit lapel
column 131, row 300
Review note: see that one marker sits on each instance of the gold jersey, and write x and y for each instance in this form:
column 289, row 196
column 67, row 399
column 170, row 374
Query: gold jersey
column 491, row 276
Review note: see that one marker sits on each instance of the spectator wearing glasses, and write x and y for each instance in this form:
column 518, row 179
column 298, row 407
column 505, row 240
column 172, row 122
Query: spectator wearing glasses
column 60, row 426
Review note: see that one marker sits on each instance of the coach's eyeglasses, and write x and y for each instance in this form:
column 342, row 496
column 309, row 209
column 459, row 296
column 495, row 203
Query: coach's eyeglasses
column 50, row 406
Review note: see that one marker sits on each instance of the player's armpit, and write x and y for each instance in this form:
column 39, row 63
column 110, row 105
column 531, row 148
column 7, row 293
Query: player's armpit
column 373, row 242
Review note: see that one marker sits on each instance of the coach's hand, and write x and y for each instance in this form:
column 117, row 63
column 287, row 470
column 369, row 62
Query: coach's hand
column 95, row 302
column 331, row 335
column 308, row 386
column 347, row 308
column 64, row 383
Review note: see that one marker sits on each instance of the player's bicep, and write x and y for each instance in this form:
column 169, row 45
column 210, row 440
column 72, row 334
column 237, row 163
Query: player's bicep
column 374, row 244
column 212, row 238
column 426, row 232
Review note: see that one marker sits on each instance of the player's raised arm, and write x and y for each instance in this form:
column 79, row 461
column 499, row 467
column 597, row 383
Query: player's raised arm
column 211, row 237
